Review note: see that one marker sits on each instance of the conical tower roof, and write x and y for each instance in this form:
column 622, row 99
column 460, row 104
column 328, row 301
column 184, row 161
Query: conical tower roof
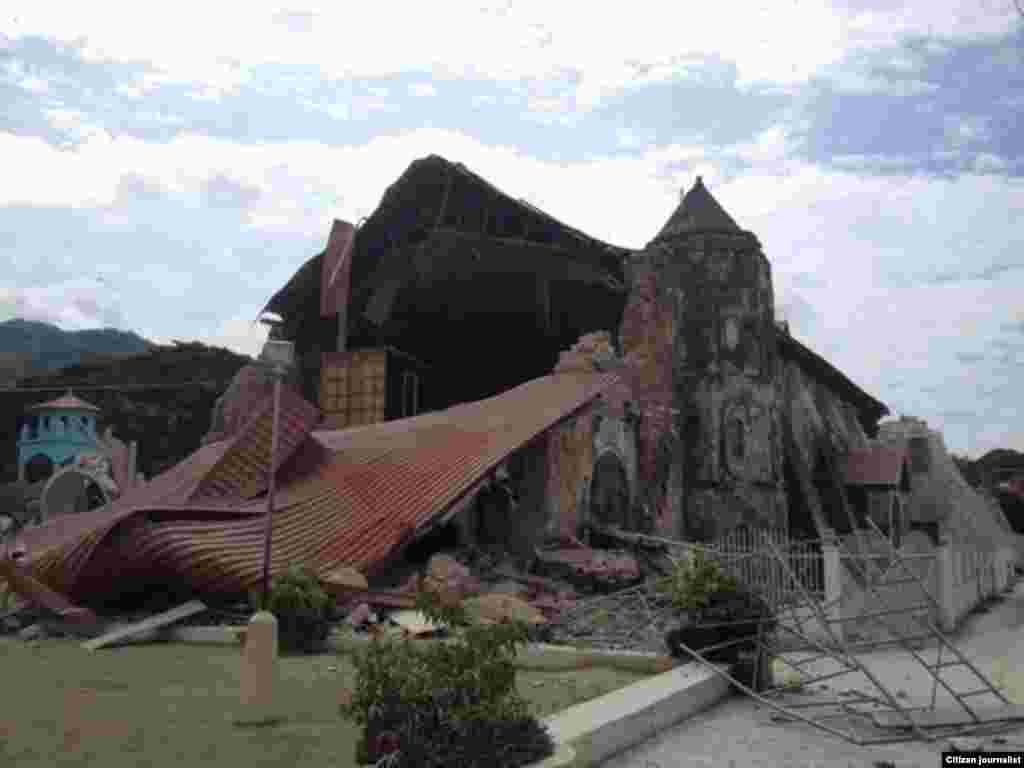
column 67, row 402
column 698, row 212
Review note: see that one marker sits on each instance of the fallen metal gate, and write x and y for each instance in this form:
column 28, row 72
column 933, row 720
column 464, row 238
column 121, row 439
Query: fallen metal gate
column 878, row 717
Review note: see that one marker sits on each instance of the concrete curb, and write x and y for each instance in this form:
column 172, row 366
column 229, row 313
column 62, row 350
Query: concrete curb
column 587, row 733
column 533, row 656
column 597, row 729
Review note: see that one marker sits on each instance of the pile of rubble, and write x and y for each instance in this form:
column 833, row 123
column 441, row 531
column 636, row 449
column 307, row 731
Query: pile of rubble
column 493, row 595
column 580, row 601
column 592, row 352
column 577, row 601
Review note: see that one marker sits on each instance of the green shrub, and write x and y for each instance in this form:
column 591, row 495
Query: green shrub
column 699, row 588
column 301, row 607
column 446, row 704
column 696, row 582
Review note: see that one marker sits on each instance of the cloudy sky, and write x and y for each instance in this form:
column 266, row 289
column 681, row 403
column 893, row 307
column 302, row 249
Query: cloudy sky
column 167, row 166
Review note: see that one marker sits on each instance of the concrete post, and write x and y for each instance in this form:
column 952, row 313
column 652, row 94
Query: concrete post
column 259, row 672
column 944, row 579
column 833, row 581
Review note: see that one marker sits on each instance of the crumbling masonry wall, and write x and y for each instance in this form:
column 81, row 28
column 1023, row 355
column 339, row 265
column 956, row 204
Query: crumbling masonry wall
column 698, row 340
column 598, row 445
column 646, row 339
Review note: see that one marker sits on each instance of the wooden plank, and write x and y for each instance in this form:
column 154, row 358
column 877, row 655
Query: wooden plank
column 951, row 716
column 153, row 622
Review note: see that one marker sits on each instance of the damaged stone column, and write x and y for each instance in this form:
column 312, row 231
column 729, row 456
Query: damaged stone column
column 592, row 459
column 698, row 337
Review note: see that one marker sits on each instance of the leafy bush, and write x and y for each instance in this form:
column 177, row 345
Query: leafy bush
column 301, row 607
column 696, row 582
column 717, row 609
column 445, row 704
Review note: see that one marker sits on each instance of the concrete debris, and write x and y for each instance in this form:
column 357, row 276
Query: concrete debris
column 494, row 608
column 32, row 632
column 589, row 568
column 590, row 353
column 444, row 572
column 149, row 625
column 510, row 587
column 346, row 577
column 415, row 624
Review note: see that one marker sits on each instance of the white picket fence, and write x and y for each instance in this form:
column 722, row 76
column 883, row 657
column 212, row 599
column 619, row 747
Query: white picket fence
column 746, row 554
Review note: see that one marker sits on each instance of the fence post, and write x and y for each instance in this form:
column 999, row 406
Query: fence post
column 833, row 581
column 944, row 580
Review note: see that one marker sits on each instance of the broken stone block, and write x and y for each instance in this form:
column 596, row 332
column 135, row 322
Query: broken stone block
column 508, row 587
column 347, row 577
column 447, row 576
column 444, row 567
column 33, row 632
column 494, row 608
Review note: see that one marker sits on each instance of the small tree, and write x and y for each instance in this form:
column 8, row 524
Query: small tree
column 300, row 605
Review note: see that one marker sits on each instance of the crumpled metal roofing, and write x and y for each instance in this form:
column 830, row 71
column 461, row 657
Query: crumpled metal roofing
column 350, row 497
column 241, row 472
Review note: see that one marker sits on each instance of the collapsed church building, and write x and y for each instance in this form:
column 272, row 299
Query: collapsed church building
column 734, row 418
column 470, row 369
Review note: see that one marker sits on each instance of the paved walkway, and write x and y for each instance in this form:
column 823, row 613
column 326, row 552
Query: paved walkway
column 740, row 732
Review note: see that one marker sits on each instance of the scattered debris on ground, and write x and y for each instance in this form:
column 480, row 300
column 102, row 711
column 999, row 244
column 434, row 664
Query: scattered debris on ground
column 587, row 568
column 145, row 627
column 568, row 604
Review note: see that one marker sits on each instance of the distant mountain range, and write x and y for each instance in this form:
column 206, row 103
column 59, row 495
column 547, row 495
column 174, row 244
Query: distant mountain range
column 162, row 396
column 28, row 347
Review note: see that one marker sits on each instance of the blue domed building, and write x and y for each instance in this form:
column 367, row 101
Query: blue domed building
column 53, row 434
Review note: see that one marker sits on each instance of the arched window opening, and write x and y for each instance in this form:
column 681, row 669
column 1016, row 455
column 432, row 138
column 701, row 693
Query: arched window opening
column 738, row 439
column 609, row 493
column 39, row 467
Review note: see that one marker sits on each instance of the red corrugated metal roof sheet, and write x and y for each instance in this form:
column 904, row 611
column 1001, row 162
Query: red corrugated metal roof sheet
column 878, row 465
column 380, row 484
column 241, row 472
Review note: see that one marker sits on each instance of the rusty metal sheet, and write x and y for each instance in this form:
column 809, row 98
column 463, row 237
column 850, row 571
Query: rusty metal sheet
column 377, row 487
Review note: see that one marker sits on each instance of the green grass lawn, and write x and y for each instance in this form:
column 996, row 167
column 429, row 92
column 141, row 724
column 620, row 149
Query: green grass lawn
column 172, row 705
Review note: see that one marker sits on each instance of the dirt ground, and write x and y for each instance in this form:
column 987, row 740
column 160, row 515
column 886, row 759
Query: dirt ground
column 171, row 705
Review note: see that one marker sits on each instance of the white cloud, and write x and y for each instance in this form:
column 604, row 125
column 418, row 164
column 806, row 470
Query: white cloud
column 423, row 89
column 35, row 85
column 239, row 333
column 624, row 44
column 847, row 272
column 72, row 304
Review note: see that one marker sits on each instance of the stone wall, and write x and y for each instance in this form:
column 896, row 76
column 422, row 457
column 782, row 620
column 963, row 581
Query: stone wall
column 647, row 342
column 698, row 341
column 939, row 493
